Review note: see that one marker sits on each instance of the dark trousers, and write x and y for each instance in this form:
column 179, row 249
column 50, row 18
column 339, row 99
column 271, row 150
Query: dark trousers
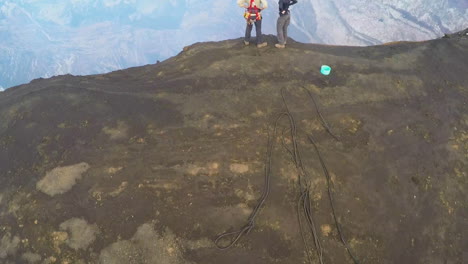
column 282, row 28
column 258, row 29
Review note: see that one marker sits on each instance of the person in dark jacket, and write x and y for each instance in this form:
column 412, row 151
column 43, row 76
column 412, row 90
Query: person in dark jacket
column 283, row 22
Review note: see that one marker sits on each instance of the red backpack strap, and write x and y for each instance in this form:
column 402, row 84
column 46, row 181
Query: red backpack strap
column 251, row 5
column 256, row 10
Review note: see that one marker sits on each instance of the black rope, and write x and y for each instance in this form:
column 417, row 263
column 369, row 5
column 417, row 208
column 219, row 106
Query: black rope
column 324, row 123
column 266, row 191
column 304, row 202
column 330, row 196
column 304, row 188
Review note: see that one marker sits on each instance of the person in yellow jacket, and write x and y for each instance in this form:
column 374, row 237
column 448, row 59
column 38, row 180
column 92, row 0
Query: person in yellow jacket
column 253, row 16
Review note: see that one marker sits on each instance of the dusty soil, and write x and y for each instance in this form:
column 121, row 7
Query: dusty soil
column 152, row 163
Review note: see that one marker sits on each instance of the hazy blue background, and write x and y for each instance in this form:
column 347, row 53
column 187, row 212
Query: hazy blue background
column 43, row 38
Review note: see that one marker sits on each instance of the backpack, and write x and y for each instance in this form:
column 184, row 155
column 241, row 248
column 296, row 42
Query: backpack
column 252, row 13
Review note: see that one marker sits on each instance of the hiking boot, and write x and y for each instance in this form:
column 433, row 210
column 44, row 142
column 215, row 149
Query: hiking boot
column 279, row 46
column 261, row 45
column 246, row 42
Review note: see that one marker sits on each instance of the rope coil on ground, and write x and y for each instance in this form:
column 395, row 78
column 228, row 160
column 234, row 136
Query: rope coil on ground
column 304, row 202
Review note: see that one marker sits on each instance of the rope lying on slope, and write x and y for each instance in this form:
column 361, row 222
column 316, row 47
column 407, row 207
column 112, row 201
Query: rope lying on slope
column 304, row 201
column 266, row 191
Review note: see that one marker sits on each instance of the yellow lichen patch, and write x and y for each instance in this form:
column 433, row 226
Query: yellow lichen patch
column 84, row 124
column 318, row 184
column 459, row 142
column 316, row 196
column 119, row 190
column 20, row 200
column 114, row 170
column 239, row 168
column 213, row 168
column 210, row 169
column 427, row 136
column 168, row 186
column 154, row 131
column 120, row 131
column 225, row 126
column 58, row 238
column 243, row 209
column 64, row 125
column 203, row 123
column 459, row 173
column 275, row 225
column 41, row 147
column 50, row 260
column 326, row 229
column 193, row 169
column 333, row 178
column 427, row 183
column 247, row 195
column 312, row 125
column 197, row 244
column 355, row 242
column 351, row 124
column 97, row 195
column 258, row 113
column 170, row 251
column 289, row 173
column 445, row 202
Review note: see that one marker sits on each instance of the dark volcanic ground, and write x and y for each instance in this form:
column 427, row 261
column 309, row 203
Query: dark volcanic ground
column 149, row 164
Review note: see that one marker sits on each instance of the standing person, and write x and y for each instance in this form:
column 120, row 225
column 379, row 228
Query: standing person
column 283, row 22
column 253, row 16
